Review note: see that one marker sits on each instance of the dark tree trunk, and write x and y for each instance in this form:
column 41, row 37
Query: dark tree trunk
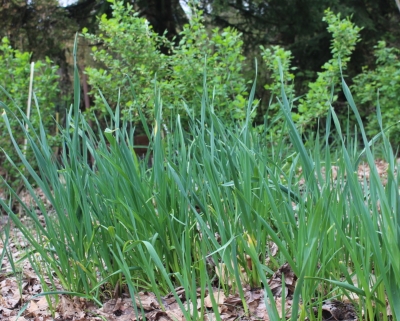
column 164, row 16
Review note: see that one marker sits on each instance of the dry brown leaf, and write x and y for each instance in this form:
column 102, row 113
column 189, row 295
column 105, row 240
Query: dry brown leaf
column 233, row 300
column 69, row 310
column 157, row 315
column 337, row 310
column 147, row 300
column 275, row 282
column 176, row 315
column 170, row 298
column 14, row 318
column 33, row 307
column 261, row 311
column 4, row 312
column 219, row 298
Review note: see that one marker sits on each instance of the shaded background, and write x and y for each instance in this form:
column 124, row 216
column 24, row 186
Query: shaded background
column 47, row 28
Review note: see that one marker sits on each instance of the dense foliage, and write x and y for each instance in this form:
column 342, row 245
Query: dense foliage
column 14, row 80
column 133, row 61
column 208, row 214
column 322, row 93
column 215, row 200
column 46, row 29
column 381, row 86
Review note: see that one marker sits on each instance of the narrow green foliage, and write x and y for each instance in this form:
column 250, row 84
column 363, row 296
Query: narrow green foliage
column 207, row 211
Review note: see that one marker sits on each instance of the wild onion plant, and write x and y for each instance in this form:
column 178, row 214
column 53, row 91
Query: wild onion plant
column 205, row 212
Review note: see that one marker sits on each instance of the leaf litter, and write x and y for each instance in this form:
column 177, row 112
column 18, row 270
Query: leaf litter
column 16, row 290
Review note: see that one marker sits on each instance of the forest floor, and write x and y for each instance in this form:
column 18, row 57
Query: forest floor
column 20, row 287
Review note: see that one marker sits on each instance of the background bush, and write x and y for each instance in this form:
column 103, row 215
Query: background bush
column 322, row 92
column 383, row 84
column 133, row 57
column 14, row 80
column 131, row 49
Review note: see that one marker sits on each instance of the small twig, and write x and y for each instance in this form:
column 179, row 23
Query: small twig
column 28, row 108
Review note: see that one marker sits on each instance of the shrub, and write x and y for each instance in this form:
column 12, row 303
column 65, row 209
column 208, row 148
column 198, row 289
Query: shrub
column 275, row 58
column 14, row 80
column 132, row 50
column 383, row 84
column 323, row 91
